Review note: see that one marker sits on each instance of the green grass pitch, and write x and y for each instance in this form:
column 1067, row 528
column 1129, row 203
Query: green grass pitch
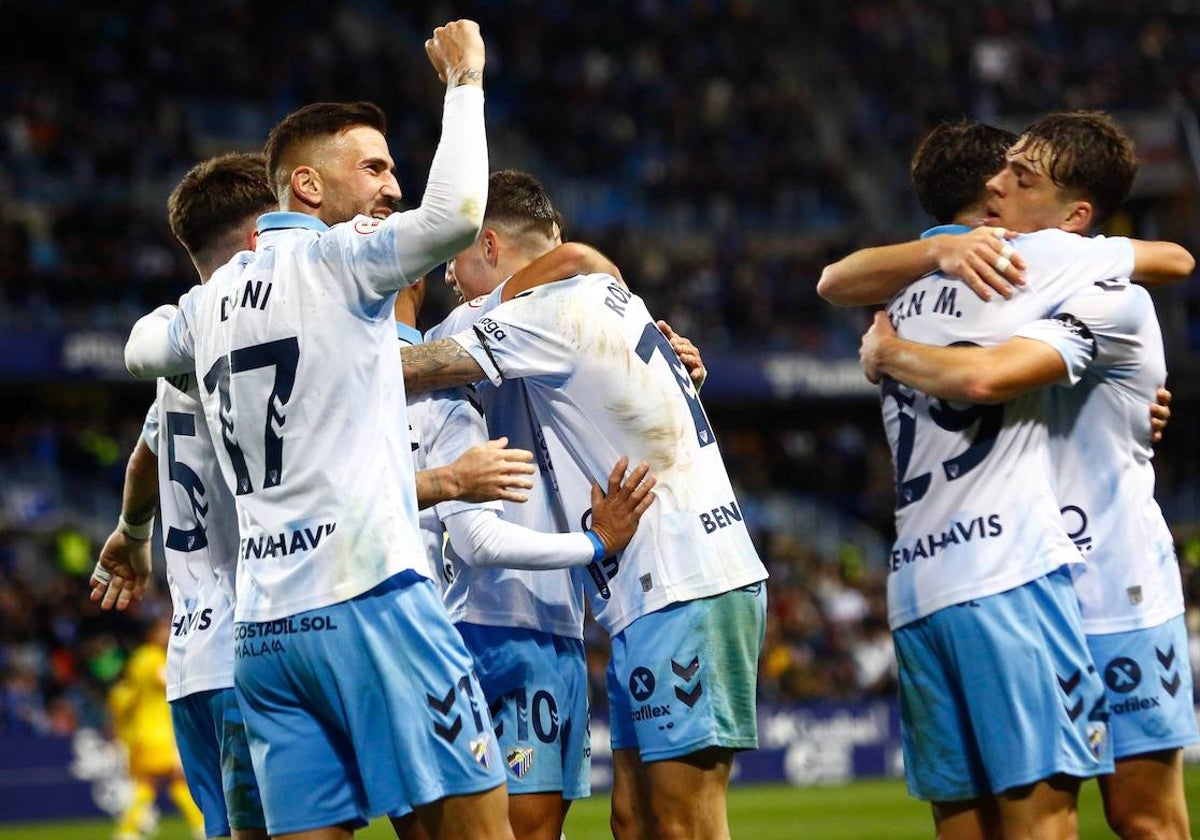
column 869, row 810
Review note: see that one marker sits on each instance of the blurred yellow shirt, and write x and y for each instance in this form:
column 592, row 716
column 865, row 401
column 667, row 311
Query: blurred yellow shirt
column 140, row 714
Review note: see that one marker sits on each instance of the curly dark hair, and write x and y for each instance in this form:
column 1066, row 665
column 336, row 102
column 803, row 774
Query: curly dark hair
column 951, row 167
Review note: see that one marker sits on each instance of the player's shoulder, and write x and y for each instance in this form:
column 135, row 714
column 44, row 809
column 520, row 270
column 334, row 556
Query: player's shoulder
column 463, row 316
column 1116, row 305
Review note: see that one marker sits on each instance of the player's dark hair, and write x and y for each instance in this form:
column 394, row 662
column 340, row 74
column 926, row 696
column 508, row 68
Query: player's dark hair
column 314, row 122
column 951, row 167
column 1084, row 153
column 216, row 196
column 518, row 202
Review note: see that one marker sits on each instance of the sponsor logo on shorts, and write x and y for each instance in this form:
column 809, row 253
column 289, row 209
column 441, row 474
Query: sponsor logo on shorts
column 1135, row 704
column 481, row 749
column 283, row 627
column 520, row 760
column 641, row 683
column 648, row 712
column 1122, row 675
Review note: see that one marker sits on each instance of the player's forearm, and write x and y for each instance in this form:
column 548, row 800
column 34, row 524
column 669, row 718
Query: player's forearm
column 139, row 498
column 874, row 275
column 451, row 210
column 436, row 485
column 436, row 365
column 149, row 353
column 1160, row 262
column 952, row 373
column 482, row 539
column 567, row 260
column 980, row 375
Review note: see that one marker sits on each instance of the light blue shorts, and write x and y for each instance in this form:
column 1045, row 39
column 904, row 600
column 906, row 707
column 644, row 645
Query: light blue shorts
column 1149, row 682
column 363, row 708
column 684, row 678
column 1000, row 692
column 216, row 760
column 536, row 687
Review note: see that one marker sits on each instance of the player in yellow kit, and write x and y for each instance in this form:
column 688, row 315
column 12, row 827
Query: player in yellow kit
column 141, row 721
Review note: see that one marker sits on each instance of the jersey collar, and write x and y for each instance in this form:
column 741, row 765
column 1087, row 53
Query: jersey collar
column 933, row 231
column 283, row 220
column 408, row 335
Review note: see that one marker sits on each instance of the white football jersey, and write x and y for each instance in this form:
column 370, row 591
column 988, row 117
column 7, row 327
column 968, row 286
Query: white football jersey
column 603, row 379
column 1101, row 449
column 549, row 600
column 296, row 352
column 295, row 349
column 976, row 512
column 198, row 523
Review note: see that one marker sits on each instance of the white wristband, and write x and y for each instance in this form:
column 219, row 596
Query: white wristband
column 136, row 532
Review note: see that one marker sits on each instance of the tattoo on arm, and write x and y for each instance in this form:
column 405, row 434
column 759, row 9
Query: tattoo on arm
column 438, row 364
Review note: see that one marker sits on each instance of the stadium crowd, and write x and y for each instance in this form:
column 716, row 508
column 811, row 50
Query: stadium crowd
column 643, row 147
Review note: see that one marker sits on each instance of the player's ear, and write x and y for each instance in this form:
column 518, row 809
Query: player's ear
column 489, row 246
column 1079, row 216
column 307, row 186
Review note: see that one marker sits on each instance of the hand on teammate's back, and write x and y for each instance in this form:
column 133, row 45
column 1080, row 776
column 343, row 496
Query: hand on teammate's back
column 492, row 471
column 456, row 52
column 868, row 349
column 615, row 514
column 983, row 259
column 1160, row 414
column 127, row 561
column 688, row 353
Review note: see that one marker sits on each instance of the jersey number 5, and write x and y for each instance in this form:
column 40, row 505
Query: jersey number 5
column 180, row 423
column 284, row 356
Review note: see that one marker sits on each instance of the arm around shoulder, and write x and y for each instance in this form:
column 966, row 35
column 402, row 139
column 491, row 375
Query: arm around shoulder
column 1160, row 262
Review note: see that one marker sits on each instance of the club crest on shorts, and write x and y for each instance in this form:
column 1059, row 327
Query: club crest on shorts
column 520, row 760
column 481, row 749
column 1097, row 734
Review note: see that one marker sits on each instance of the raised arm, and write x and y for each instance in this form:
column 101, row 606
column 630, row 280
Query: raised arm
column 566, row 260
column 967, row 374
column 983, row 258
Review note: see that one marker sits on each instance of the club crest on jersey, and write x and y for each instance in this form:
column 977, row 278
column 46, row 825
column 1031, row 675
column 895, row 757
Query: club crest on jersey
column 367, row 225
column 520, row 760
column 480, row 748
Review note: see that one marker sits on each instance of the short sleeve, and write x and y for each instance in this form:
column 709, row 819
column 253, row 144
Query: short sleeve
column 1069, row 337
column 150, row 428
column 523, row 338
